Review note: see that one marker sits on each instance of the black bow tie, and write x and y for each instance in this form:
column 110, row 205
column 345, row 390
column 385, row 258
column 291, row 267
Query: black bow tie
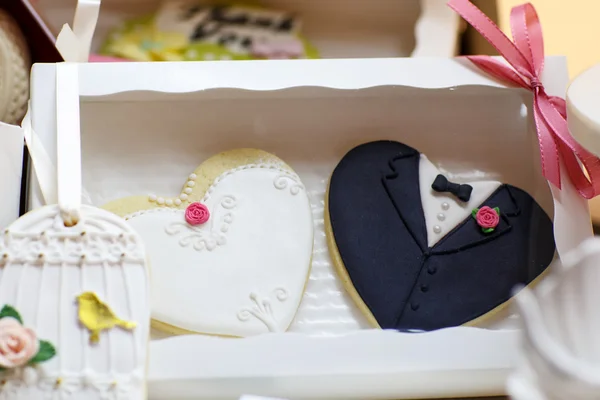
column 441, row 184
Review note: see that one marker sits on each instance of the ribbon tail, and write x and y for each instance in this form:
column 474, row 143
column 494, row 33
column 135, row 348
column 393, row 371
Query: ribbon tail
column 549, row 153
column 560, row 105
column 577, row 160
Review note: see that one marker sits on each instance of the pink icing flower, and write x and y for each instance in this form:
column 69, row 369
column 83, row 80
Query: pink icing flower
column 278, row 49
column 196, row 214
column 487, row 218
column 18, row 344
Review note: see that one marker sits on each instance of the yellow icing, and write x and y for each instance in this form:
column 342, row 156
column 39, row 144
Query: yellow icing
column 96, row 316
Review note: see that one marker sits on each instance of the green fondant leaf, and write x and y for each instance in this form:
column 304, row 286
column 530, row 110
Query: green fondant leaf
column 487, row 230
column 46, row 352
column 497, row 209
column 474, row 212
column 9, row 311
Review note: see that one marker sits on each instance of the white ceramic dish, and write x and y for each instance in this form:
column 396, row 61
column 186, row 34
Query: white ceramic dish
column 560, row 337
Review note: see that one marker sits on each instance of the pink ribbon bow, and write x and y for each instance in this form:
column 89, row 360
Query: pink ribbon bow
column 526, row 56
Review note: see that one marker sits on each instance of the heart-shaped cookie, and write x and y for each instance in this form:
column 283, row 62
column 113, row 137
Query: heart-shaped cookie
column 419, row 252
column 231, row 254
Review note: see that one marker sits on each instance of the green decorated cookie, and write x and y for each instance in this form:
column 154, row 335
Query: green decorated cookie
column 186, row 31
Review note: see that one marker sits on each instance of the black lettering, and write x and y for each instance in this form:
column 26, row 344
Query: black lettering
column 286, row 25
column 217, row 18
column 205, row 29
column 263, row 22
column 219, row 13
column 191, row 12
column 247, row 43
column 227, row 39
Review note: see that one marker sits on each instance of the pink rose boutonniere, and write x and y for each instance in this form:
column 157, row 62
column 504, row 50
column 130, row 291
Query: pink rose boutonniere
column 19, row 346
column 487, row 218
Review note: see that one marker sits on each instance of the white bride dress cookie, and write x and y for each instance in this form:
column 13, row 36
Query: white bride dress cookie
column 231, row 254
column 74, row 308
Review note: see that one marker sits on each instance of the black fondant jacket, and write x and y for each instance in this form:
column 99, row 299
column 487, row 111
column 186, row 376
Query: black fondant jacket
column 379, row 228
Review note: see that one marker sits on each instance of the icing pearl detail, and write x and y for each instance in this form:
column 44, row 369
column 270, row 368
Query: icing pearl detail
column 437, row 229
column 87, row 378
column 152, row 197
column 183, row 196
column 445, row 206
column 160, row 201
column 441, row 216
column 137, row 376
column 192, row 177
column 177, row 202
column 191, row 183
column 169, row 202
column 30, row 375
column 188, row 190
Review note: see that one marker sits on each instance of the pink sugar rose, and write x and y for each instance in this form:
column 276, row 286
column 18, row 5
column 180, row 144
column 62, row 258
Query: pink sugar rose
column 196, row 214
column 18, row 344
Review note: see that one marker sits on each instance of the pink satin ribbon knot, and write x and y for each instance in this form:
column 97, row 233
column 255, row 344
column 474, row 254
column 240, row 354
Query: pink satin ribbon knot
column 526, row 56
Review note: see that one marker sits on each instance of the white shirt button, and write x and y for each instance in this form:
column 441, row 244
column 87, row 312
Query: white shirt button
column 437, row 229
column 445, row 206
column 441, row 216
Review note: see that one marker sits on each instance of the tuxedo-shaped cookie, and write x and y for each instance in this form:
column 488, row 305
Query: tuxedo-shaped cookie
column 423, row 253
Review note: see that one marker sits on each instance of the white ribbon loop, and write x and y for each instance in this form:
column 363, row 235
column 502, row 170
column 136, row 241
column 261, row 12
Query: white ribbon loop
column 11, row 162
column 43, row 166
column 75, row 44
column 68, row 142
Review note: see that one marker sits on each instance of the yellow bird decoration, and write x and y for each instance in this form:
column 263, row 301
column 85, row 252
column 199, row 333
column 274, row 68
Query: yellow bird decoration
column 97, row 316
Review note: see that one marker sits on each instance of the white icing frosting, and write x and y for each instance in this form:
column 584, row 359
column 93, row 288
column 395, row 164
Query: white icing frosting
column 284, row 180
column 443, row 211
column 207, row 236
column 243, row 272
column 43, row 290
